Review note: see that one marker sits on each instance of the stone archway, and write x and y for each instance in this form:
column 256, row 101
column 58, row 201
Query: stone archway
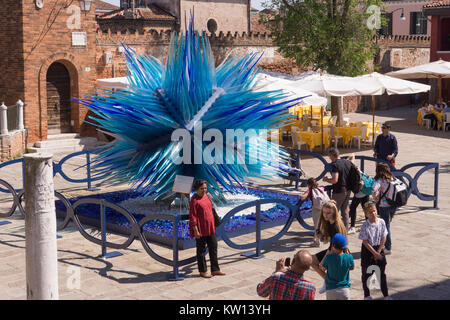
column 58, row 99
column 50, row 68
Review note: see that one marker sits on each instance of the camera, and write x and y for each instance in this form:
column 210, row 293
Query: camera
column 287, row 262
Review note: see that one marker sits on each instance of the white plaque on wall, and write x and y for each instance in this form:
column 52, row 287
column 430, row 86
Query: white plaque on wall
column 79, row 39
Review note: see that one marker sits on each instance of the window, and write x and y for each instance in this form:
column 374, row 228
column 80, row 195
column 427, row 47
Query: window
column 387, row 29
column 445, row 34
column 417, row 23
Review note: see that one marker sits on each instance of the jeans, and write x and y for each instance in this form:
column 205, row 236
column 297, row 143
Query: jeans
column 355, row 202
column 387, row 213
column 201, row 243
column 316, row 217
column 342, row 200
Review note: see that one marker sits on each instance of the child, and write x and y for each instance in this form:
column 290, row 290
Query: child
column 330, row 223
column 318, row 197
column 373, row 234
column 338, row 264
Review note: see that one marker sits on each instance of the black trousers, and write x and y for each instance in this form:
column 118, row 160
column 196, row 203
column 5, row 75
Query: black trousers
column 355, row 202
column 368, row 261
column 201, row 244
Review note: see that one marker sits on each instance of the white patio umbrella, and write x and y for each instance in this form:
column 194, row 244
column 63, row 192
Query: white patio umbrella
column 389, row 85
column 331, row 85
column 113, row 83
column 438, row 69
column 265, row 82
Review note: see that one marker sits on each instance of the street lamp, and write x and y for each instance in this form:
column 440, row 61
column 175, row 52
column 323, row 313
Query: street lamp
column 85, row 5
column 402, row 15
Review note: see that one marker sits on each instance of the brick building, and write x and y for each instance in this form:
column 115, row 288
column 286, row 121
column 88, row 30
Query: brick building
column 439, row 14
column 405, row 17
column 50, row 59
column 55, row 52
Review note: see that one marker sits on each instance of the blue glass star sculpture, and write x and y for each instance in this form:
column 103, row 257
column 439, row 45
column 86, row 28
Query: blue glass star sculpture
column 186, row 93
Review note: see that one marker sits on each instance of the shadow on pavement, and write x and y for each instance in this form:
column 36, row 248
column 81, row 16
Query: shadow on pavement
column 433, row 291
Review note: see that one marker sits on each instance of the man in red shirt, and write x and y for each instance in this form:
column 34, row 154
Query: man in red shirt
column 201, row 227
column 288, row 283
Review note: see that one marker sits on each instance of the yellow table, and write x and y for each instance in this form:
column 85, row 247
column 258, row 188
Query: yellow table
column 326, row 119
column 312, row 139
column 300, row 110
column 419, row 116
column 369, row 126
column 440, row 118
column 347, row 132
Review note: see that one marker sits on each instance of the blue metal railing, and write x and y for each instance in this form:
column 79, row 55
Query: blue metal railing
column 58, row 168
column 400, row 173
column 135, row 231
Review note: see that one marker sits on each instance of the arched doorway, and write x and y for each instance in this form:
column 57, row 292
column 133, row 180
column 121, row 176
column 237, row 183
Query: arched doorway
column 58, row 99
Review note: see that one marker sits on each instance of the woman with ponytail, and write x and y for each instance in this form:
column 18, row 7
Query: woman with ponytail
column 330, row 223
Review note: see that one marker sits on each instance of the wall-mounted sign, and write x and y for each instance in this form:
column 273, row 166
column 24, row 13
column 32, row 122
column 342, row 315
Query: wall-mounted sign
column 79, row 39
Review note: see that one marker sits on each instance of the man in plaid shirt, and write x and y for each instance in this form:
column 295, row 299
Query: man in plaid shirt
column 288, row 283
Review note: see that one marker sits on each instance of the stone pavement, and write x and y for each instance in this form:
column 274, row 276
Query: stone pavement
column 418, row 267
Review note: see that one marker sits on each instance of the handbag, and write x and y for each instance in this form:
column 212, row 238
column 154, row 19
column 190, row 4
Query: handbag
column 217, row 221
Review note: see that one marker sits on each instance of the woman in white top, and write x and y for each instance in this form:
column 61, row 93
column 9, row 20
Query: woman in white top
column 380, row 192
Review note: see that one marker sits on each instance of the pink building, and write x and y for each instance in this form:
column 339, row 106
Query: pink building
column 405, row 17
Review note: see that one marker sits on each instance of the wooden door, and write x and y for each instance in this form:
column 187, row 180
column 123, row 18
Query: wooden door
column 58, row 99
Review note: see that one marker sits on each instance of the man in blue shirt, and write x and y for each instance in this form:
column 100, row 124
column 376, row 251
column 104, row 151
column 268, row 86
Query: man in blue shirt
column 386, row 145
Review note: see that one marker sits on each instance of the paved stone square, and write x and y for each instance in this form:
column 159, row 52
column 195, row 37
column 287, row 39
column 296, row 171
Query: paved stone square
column 418, row 267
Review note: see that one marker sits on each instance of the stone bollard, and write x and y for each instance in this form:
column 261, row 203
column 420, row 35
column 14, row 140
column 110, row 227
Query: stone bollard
column 40, row 228
column 3, row 119
column 19, row 104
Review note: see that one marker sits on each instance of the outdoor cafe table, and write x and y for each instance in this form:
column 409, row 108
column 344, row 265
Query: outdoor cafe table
column 312, row 138
column 439, row 117
column 347, row 133
column 370, row 127
column 300, row 110
column 326, row 119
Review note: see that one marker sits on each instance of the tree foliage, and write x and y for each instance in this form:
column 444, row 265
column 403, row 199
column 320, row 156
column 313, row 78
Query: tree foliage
column 331, row 35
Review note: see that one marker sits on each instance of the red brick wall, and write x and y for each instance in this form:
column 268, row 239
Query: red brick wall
column 12, row 145
column 11, row 62
column 48, row 39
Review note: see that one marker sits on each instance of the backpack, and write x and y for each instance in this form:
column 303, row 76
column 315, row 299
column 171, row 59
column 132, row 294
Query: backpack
column 319, row 197
column 399, row 195
column 354, row 179
column 367, row 184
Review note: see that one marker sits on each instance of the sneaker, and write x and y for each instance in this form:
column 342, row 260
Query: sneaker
column 352, row 230
column 388, row 298
column 218, row 273
column 323, row 289
column 387, row 252
column 368, row 298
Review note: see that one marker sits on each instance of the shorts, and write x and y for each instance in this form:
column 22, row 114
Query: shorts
column 338, row 294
